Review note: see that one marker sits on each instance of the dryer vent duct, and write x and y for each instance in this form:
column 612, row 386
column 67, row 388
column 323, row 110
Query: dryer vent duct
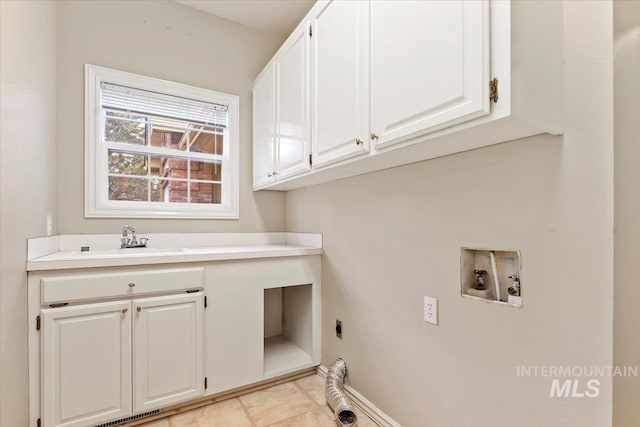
column 339, row 403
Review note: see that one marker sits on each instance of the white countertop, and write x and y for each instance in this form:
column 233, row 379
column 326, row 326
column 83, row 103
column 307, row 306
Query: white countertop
column 56, row 253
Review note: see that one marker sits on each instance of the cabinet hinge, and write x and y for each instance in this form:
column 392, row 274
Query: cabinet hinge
column 310, row 159
column 493, row 90
column 205, row 301
column 38, row 422
column 205, row 383
column 38, row 326
column 310, row 31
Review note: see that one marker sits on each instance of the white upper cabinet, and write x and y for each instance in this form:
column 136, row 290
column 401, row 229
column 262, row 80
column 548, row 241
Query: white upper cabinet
column 293, row 130
column 429, row 66
column 394, row 82
column 339, row 80
column 168, row 350
column 86, row 360
column 264, row 123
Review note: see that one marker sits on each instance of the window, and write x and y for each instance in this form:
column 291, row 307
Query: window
column 158, row 149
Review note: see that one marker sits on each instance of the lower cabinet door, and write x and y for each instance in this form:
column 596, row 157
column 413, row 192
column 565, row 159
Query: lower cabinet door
column 86, row 364
column 168, row 350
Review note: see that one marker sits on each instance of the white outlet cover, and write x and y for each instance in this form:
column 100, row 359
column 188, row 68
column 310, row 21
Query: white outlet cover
column 49, row 225
column 431, row 310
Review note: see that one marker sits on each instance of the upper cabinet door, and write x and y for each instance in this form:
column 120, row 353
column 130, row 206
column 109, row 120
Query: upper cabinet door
column 429, row 66
column 293, row 133
column 340, row 80
column 86, row 364
column 264, row 123
column 168, row 350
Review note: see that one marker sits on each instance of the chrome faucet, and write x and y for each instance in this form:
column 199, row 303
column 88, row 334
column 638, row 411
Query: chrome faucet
column 133, row 241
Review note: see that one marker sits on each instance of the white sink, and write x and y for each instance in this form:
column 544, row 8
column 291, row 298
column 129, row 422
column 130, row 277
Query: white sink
column 117, row 252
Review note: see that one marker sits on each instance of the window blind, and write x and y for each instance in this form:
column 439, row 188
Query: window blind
column 146, row 102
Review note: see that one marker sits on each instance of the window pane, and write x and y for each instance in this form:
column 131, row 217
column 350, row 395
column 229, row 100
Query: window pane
column 152, row 150
column 205, row 192
column 127, row 164
column 206, row 171
column 160, row 166
column 131, row 189
column 161, row 190
column 123, row 127
column 169, row 167
column 206, row 139
column 168, row 133
column 172, row 191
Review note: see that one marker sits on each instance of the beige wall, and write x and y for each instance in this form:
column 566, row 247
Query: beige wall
column 390, row 237
column 626, row 391
column 394, row 236
column 44, row 47
column 28, row 185
column 170, row 41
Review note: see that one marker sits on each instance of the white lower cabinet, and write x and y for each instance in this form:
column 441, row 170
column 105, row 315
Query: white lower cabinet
column 249, row 339
column 110, row 360
column 168, row 350
column 86, row 364
column 96, row 363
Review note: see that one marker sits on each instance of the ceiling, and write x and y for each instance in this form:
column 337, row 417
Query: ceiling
column 277, row 16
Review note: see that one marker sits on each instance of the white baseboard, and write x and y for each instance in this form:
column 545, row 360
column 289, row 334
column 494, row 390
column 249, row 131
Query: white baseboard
column 375, row 413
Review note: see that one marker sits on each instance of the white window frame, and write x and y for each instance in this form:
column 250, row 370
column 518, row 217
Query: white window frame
column 97, row 203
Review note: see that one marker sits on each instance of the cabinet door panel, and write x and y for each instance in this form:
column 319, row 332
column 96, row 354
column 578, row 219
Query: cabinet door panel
column 292, row 129
column 86, row 360
column 235, row 342
column 340, row 83
column 168, row 350
column 429, row 66
column 264, row 122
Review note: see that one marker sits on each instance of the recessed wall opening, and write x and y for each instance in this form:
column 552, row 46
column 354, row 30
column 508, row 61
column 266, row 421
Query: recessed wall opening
column 491, row 275
column 287, row 328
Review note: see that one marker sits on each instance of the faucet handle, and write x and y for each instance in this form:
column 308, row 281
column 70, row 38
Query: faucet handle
column 143, row 241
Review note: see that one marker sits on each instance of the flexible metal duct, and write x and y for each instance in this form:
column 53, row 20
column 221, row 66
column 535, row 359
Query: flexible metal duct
column 341, row 405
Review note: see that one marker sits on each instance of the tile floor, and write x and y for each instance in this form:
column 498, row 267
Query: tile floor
column 298, row 403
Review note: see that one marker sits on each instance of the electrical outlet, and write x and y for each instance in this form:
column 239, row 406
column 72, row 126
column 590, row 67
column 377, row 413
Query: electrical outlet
column 49, row 225
column 431, row 310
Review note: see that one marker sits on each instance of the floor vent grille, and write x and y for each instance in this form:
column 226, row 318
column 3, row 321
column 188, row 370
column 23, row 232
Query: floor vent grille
column 127, row 419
